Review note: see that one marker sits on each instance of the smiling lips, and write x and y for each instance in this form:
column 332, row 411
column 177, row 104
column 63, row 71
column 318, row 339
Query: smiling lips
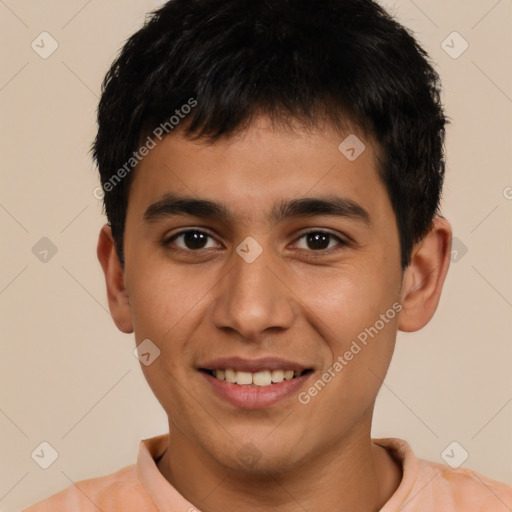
column 261, row 378
column 255, row 389
column 253, row 373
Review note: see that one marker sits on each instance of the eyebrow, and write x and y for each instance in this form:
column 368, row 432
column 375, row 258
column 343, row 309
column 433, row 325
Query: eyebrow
column 175, row 205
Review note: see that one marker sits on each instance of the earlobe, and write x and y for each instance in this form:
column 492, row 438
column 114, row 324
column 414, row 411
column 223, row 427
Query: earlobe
column 118, row 299
column 423, row 279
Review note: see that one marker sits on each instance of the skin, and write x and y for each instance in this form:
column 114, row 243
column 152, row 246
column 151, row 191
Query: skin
column 295, row 301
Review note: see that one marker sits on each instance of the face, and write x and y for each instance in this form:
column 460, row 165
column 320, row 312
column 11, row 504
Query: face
column 250, row 258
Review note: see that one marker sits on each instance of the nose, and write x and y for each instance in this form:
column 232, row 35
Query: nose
column 254, row 297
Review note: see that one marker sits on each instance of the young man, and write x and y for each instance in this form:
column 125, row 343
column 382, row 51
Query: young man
column 272, row 172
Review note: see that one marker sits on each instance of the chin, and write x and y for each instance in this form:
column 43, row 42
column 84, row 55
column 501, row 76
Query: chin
column 259, row 455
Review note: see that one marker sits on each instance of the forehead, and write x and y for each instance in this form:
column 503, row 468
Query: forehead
column 260, row 167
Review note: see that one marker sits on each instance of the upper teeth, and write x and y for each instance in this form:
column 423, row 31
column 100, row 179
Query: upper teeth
column 263, row 378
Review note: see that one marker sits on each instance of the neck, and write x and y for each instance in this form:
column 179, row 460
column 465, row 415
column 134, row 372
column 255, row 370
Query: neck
column 353, row 475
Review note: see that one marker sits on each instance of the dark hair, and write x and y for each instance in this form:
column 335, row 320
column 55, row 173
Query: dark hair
column 345, row 62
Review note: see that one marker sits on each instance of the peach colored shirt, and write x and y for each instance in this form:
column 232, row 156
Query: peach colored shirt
column 425, row 487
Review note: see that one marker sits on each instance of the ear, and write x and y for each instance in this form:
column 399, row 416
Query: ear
column 118, row 300
column 424, row 278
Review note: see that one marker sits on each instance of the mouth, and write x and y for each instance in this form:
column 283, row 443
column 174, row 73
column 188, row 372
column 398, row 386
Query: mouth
column 255, row 383
column 259, row 378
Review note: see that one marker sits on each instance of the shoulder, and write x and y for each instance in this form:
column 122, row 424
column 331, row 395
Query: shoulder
column 464, row 489
column 428, row 486
column 121, row 490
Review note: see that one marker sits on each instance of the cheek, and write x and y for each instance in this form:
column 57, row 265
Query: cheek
column 347, row 300
column 164, row 300
column 353, row 312
column 347, row 387
column 167, row 306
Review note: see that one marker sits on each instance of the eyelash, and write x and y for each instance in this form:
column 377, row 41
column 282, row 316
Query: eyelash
column 341, row 243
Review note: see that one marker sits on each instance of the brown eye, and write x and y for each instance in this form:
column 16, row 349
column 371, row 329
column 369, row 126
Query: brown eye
column 192, row 240
column 319, row 241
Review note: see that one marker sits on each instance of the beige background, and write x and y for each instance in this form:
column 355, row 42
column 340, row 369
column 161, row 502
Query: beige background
column 69, row 377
